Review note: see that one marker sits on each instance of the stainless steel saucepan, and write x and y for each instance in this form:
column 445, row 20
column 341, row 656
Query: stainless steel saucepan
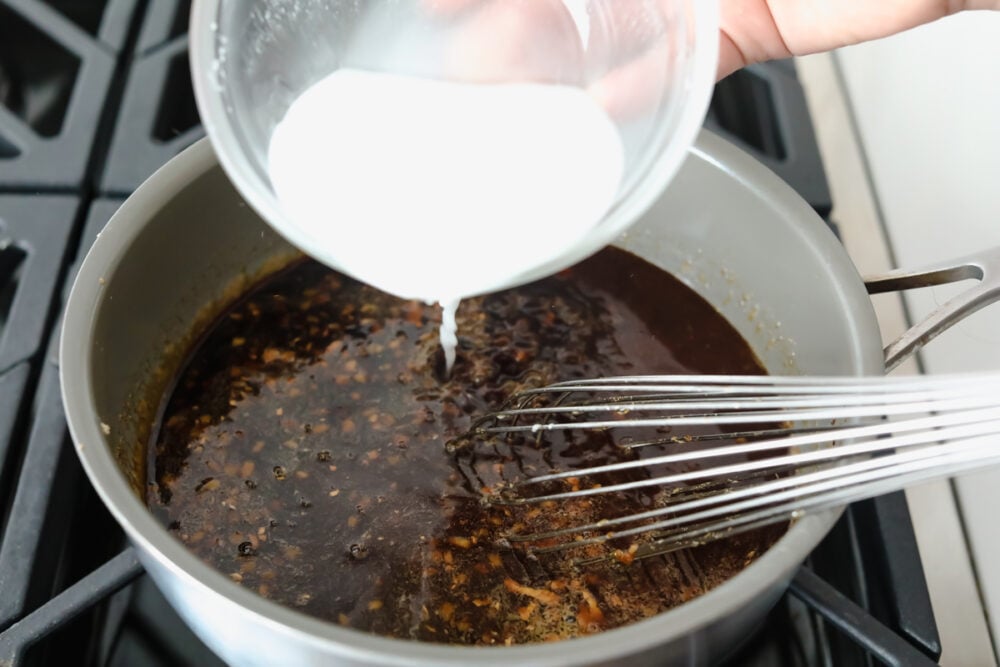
column 185, row 243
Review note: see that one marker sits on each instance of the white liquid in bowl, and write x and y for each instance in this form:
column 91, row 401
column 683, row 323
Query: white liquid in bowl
column 437, row 190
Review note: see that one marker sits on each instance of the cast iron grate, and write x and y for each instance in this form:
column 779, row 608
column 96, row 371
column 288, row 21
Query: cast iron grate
column 181, row 116
column 37, row 231
column 8, row 150
column 165, row 21
column 87, row 15
column 762, row 109
column 53, row 509
column 55, row 80
column 158, row 118
column 39, row 88
column 107, row 20
column 743, row 105
column 35, row 234
column 11, row 264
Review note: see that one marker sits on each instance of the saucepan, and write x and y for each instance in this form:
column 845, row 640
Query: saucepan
column 185, row 244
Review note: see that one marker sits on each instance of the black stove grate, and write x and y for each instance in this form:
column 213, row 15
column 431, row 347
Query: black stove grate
column 762, row 109
column 118, row 105
column 35, row 234
column 158, row 117
column 56, row 76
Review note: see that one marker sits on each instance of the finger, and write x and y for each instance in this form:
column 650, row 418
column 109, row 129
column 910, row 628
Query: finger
column 448, row 6
column 730, row 57
column 758, row 30
column 749, row 34
column 635, row 88
column 517, row 40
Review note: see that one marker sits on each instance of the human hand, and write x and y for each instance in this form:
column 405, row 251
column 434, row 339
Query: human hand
column 759, row 30
column 502, row 35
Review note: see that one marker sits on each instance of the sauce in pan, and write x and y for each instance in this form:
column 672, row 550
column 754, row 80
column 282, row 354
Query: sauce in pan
column 303, row 451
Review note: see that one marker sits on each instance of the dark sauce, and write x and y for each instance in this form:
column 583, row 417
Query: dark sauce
column 303, row 451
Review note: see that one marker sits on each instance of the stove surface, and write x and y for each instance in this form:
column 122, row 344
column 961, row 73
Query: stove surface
column 94, row 96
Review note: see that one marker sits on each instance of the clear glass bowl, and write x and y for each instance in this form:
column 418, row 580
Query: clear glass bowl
column 650, row 63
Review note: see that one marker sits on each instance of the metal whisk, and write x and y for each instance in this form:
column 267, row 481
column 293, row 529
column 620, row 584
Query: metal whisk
column 806, row 444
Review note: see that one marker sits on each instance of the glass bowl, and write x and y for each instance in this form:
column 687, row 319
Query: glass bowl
column 650, row 64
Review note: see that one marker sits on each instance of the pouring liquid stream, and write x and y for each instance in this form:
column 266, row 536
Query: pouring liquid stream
column 438, row 190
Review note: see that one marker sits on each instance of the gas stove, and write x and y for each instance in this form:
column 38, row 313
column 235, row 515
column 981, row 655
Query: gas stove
column 94, row 96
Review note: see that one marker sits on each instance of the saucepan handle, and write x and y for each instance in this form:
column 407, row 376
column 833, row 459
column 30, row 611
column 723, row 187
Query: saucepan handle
column 983, row 267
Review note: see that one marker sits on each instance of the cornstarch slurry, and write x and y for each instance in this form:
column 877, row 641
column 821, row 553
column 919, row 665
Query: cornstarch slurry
column 437, row 190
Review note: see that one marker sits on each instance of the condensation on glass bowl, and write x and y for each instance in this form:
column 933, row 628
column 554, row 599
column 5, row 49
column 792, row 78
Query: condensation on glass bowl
column 650, row 63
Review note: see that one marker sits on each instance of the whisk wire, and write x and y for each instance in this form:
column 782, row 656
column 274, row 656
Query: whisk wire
column 712, row 413
column 735, row 502
column 825, row 442
column 861, row 488
column 925, row 428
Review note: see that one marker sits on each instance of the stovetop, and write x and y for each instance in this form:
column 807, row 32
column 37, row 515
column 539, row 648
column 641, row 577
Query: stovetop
column 94, row 96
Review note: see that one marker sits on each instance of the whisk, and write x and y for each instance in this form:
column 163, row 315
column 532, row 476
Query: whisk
column 809, row 442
